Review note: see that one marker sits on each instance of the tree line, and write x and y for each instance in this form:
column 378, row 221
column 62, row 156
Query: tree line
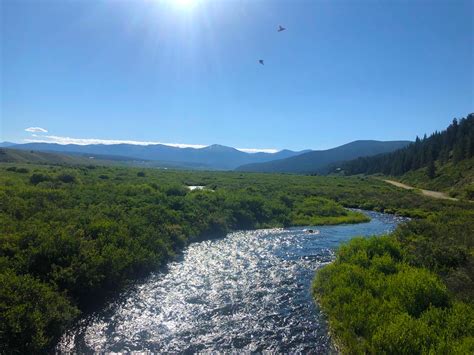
column 454, row 144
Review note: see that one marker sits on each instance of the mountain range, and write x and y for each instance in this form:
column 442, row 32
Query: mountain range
column 217, row 157
column 321, row 161
column 213, row 157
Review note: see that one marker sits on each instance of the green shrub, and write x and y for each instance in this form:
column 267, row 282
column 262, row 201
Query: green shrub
column 36, row 178
column 66, row 178
column 402, row 335
column 318, row 210
column 377, row 303
column 416, row 290
column 32, row 313
column 18, row 170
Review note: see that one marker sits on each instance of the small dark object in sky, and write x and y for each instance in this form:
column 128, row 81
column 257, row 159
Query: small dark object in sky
column 261, row 61
column 281, row 28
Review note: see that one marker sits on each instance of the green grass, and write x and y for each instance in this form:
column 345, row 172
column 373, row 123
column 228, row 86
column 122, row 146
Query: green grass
column 455, row 179
column 314, row 211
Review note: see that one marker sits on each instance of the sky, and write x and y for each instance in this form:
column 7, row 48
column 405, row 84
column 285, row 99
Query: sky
column 186, row 72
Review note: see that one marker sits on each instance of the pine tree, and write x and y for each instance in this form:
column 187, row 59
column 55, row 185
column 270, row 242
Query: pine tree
column 458, row 152
column 431, row 170
column 455, row 144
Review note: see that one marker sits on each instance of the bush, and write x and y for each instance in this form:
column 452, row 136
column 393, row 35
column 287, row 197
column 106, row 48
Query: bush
column 377, row 303
column 36, row 178
column 415, row 290
column 66, row 178
column 31, row 313
column 176, row 190
column 402, row 335
column 18, row 170
column 317, row 210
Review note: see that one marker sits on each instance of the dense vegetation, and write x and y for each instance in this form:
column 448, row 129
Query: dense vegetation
column 416, row 285
column 454, row 144
column 408, row 293
column 70, row 236
column 318, row 210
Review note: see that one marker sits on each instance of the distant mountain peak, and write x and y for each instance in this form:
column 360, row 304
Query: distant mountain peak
column 214, row 157
column 221, row 157
column 219, row 148
column 319, row 160
column 6, row 144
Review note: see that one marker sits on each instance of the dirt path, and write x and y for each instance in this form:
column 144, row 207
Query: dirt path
column 434, row 194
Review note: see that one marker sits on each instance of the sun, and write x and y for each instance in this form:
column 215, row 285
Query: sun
column 185, row 4
column 179, row 5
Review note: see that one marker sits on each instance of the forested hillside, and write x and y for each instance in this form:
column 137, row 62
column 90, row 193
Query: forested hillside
column 320, row 161
column 416, row 285
column 454, row 144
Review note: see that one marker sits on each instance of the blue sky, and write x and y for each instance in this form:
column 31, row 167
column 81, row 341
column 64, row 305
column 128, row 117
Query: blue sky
column 184, row 71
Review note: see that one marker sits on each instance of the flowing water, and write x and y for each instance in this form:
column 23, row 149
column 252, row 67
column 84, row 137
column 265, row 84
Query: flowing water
column 249, row 291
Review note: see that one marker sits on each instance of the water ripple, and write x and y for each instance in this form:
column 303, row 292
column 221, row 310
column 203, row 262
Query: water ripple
column 248, row 292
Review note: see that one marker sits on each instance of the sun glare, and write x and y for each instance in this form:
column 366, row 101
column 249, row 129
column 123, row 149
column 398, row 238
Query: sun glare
column 185, row 4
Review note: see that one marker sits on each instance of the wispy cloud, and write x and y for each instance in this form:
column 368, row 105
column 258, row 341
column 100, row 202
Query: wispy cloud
column 36, row 130
column 85, row 141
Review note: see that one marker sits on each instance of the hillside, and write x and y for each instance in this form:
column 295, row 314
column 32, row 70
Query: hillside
column 319, row 161
column 213, row 157
column 451, row 145
column 9, row 155
column 19, row 156
column 455, row 179
column 442, row 162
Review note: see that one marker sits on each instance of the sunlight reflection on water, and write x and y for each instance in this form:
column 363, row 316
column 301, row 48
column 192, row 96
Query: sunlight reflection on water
column 249, row 291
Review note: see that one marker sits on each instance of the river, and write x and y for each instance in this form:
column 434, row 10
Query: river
column 249, row 291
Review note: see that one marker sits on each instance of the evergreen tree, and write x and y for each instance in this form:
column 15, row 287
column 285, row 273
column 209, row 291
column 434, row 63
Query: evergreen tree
column 431, row 170
column 456, row 143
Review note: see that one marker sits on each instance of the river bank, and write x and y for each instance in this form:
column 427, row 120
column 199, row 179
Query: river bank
column 416, row 287
column 76, row 235
column 249, row 291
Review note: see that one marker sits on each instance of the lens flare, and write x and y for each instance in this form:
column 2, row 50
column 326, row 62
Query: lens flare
column 185, row 4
